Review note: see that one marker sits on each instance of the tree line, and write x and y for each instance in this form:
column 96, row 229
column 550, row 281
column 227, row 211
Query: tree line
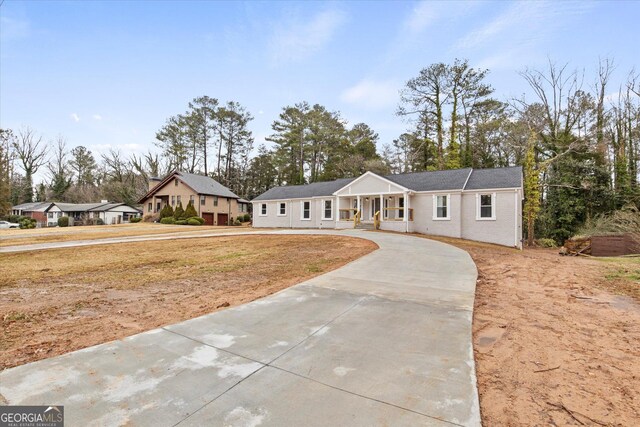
column 578, row 139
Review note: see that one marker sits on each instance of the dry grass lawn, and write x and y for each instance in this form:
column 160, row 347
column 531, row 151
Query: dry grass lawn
column 15, row 237
column 556, row 339
column 56, row 301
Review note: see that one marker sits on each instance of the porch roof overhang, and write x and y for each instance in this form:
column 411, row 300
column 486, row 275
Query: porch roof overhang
column 370, row 183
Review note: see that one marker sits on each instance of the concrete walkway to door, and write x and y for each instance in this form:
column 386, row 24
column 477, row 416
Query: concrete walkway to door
column 382, row 341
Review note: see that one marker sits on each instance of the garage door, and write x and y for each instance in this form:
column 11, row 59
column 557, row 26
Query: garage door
column 208, row 218
column 223, row 219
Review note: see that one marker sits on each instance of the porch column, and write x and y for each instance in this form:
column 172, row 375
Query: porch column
column 336, row 209
column 358, row 203
column 153, row 205
column 405, row 207
column 381, row 208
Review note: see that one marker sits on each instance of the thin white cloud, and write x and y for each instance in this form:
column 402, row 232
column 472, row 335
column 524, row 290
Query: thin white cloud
column 11, row 29
column 522, row 23
column 423, row 15
column 300, row 39
column 97, row 117
column 74, row 117
column 372, row 94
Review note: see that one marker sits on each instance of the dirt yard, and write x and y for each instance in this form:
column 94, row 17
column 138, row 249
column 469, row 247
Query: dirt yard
column 16, row 237
column 556, row 339
column 56, row 301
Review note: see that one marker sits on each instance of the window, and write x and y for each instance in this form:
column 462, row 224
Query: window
column 173, row 200
column 179, row 201
column 401, row 206
column 150, row 206
column 306, row 210
column 282, row 209
column 328, row 209
column 486, row 209
column 215, row 201
column 192, row 199
column 441, row 207
column 203, row 200
column 50, row 215
column 175, row 182
column 263, row 209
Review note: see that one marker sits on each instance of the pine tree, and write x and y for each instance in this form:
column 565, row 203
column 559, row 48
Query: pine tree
column 190, row 211
column 179, row 212
column 166, row 212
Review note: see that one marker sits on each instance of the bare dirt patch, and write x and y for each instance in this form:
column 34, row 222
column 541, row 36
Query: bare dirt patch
column 556, row 339
column 56, row 301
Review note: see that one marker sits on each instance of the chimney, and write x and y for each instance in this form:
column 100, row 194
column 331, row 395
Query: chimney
column 153, row 181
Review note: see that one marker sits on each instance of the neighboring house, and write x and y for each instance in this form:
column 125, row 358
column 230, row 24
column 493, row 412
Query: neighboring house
column 109, row 213
column 213, row 201
column 35, row 210
column 47, row 213
column 476, row 204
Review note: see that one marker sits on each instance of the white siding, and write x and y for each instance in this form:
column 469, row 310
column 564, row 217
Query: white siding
column 423, row 221
column 293, row 217
column 505, row 230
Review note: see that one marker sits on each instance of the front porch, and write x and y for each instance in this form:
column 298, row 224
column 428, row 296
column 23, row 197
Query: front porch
column 386, row 212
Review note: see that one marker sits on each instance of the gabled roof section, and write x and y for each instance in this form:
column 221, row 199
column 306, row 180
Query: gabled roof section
column 316, row 189
column 199, row 183
column 376, row 177
column 206, row 185
column 487, row 179
column 452, row 179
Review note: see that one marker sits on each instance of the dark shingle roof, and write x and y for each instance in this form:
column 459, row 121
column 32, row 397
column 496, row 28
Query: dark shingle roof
column 315, row 189
column 33, row 206
column 454, row 179
column 204, row 185
column 482, row 179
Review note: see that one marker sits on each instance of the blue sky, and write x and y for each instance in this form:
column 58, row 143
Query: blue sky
column 108, row 74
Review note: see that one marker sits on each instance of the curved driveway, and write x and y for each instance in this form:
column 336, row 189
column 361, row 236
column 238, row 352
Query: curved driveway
column 382, row 341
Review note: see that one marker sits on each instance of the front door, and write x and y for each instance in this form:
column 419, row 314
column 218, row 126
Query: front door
column 375, row 206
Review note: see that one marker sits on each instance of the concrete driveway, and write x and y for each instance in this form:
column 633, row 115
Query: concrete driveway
column 382, row 341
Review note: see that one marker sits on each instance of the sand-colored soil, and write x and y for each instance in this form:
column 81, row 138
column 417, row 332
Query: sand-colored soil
column 556, row 339
column 56, row 301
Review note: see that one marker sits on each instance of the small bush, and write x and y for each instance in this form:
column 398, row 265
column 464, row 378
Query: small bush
column 197, row 218
column 14, row 218
column 100, row 221
column 181, row 222
column 190, row 212
column 63, row 221
column 166, row 212
column 179, row 212
column 193, row 221
column 135, row 219
column 237, row 222
column 168, row 220
column 27, row 223
column 546, row 243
